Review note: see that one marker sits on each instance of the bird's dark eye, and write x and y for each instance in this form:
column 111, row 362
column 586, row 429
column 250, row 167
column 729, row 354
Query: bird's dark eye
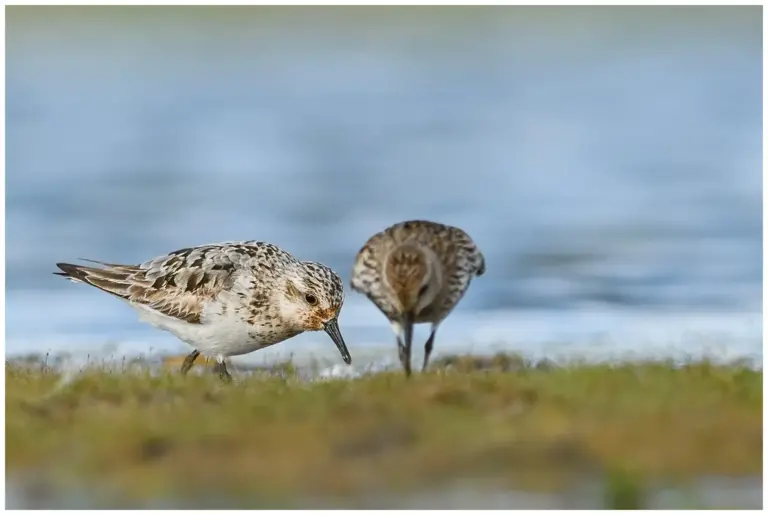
column 311, row 299
column 422, row 290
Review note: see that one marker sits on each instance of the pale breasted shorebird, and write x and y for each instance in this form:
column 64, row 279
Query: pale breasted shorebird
column 416, row 272
column 225, row 299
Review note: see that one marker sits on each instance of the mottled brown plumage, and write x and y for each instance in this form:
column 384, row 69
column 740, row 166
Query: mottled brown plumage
column 405, row 270
column 416, row 272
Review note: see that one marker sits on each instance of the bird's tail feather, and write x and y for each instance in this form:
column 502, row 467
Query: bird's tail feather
column 114, row 279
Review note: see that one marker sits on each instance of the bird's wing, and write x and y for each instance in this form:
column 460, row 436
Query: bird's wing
column 177, row 284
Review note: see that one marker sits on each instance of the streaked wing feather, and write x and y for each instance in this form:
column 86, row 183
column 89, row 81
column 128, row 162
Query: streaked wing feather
column 176, row 285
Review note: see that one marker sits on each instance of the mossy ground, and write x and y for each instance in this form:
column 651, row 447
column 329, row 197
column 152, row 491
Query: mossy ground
column 526, row 426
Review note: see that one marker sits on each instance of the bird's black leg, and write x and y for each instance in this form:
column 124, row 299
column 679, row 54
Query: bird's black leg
column 428, row 348
column 189, row 361
column 221, row 368
column 405, row 356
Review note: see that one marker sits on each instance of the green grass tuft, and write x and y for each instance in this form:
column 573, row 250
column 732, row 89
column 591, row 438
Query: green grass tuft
column 503, row 419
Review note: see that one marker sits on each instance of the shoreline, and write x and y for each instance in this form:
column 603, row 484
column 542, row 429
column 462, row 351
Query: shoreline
column 584, row 335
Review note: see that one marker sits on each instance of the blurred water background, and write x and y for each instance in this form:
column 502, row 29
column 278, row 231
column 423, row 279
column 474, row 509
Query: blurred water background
column 606, row 160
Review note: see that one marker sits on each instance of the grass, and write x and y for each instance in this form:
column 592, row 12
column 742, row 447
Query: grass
column 520, row 425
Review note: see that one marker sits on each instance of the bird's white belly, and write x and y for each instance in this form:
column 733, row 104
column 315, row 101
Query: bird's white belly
column 222, row 336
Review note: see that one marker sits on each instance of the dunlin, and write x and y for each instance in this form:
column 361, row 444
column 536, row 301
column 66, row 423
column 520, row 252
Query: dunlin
column 225, row 299
column 416, row 272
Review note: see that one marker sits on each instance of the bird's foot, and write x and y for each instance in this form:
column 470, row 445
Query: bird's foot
column 405, row 359
column 221, row 369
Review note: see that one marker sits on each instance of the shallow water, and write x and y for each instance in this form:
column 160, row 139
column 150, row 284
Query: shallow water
column 607, row 161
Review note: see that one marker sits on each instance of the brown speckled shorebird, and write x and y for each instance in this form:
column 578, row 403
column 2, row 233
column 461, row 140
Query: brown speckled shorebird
column 225, row 299
column 416, row 272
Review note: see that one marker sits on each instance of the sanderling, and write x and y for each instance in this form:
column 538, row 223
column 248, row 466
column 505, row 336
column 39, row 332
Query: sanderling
column 416, row 272
column 225, row 299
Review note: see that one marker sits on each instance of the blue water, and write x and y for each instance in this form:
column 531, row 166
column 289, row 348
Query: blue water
column 607, row 162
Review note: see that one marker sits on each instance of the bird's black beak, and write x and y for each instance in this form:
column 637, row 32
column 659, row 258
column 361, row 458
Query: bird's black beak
column 332, row 328
column 404, row 347
column 408, row 331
